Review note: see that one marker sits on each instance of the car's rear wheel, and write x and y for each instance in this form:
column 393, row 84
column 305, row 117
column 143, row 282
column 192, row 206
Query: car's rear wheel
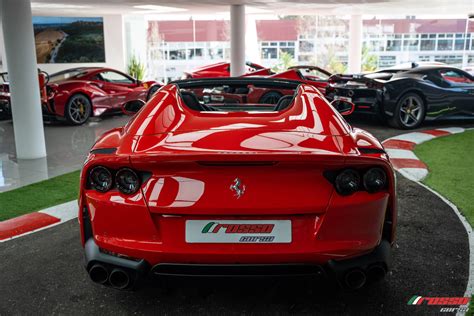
column 409, row 112
column 271, row 97
column 78, row 109
column 151, row 92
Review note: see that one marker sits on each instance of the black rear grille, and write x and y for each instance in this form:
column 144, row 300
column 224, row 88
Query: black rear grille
column 254, row 270
column 237, row 163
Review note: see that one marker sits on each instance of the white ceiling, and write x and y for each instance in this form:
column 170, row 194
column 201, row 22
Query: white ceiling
column 280, row 7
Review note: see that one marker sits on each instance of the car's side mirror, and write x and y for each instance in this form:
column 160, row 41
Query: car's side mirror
column 132, row 107
column 343, row 107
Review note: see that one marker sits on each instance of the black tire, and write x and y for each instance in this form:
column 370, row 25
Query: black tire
column 409, row 113
column 78, row 109
column 271, row 97
column 151, row 92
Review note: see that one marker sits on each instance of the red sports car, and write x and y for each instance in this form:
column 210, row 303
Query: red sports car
column 79, row 93
column 188, row 188
column 222, row 69
column 312, row 75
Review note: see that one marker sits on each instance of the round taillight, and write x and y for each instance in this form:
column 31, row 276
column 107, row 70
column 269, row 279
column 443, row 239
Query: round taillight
column 100, row 179
column 374, row 180
column 127, row 181
column 347, row 182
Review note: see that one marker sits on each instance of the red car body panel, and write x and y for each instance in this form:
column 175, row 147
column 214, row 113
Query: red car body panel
column 281, row 156
column 222, row 69
column 295, row 74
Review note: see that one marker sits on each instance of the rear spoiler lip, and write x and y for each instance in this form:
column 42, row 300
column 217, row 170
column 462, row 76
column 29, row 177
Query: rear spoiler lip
column 260, row 160
column 173, row 157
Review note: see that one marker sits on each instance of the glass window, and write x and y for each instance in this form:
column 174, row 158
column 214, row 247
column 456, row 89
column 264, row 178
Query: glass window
column 216, row 53
column 387, row 61
column 428, row 44
column 444, row 44
column 424, row 58
column 306, row 46
column 453, row 76
column 177, row 54
column 115, row 77
column 449, row 59
column 290, row 51
column 195, row 53
column 269, row 53
column 394, row 45
column 459, row 44
column 410, row 44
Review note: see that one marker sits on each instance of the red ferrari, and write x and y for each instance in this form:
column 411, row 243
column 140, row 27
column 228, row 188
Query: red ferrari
column 222, row 69
column 79, row 93
column 188, row 188
column 312, row 75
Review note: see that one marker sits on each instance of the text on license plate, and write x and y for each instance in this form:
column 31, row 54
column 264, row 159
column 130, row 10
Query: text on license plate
column 235, row 231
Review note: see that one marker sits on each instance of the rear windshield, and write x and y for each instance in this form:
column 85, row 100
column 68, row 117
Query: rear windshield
column 238, row 97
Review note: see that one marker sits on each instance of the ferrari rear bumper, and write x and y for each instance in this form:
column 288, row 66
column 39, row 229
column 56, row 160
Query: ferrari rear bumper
column 123, row 273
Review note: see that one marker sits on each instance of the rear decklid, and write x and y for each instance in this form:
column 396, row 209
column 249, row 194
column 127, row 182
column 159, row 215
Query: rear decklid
column 278, row 172
column 277, row 158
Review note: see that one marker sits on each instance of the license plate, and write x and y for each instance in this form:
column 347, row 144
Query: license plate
column 235, row 231
column 341, row 98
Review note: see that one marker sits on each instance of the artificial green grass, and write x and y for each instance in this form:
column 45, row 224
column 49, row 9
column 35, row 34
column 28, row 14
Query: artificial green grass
column 40, row 195
column 450, row 162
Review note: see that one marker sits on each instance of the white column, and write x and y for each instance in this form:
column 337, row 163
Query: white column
column 23, row 77
column 3, row 58
column 114, row 40
column 355, row 44
column 237, row 40
column 252, row 50
column 135, row 38
column 465, row 44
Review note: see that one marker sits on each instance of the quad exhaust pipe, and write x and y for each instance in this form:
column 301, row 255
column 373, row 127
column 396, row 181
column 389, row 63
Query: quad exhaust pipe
column 376, row 272
column 118, row 278
column 355, row 279
column 98, row 273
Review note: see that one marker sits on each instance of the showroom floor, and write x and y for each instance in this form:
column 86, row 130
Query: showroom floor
column 67, row 147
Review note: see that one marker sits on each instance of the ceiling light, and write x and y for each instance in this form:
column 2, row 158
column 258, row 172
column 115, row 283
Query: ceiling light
column 38, row 5
column 158, row 8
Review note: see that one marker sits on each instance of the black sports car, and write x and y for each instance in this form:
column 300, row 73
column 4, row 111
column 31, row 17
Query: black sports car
column 406, row 96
